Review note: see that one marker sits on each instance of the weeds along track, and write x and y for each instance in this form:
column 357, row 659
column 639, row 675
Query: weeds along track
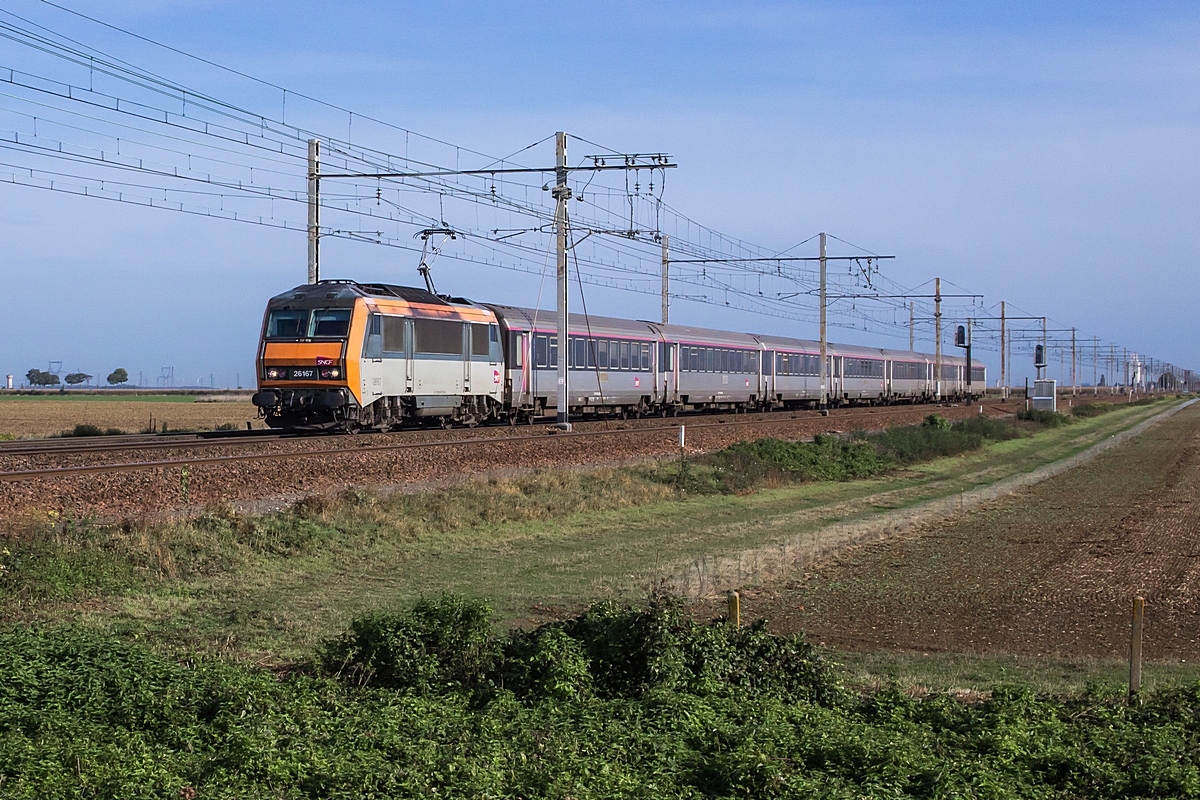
column 109, row 484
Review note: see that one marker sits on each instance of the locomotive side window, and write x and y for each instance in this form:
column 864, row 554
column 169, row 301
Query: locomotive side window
column 439, row 337
column 287, row 325
column 330, row 323
column 480, row 340
column 393, row 334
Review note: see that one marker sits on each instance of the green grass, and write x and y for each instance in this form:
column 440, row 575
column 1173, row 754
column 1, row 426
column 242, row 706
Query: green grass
column 539, row 545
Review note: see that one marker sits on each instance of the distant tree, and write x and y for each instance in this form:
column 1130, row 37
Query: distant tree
column 76, row 378
column 38, row 378
column 119, row 375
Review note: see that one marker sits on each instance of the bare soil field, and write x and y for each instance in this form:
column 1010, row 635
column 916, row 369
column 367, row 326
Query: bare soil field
column 23, row 416
column 1049, row 571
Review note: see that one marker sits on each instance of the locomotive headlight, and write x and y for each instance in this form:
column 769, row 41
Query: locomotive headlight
column 335, row 373
column 326, row 374
column 274, row 373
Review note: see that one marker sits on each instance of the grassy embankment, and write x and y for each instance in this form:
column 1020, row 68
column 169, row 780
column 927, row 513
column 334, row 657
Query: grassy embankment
column 540, row 545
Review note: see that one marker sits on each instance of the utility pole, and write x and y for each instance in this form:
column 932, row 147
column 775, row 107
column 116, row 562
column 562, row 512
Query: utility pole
column 314, row 210
column 1095, row 363
column 1074, row 386
column 561, row 194
column 665, row 262
column 824, row 344
column 937, row 325
column 911, row 324
column 1003, row 365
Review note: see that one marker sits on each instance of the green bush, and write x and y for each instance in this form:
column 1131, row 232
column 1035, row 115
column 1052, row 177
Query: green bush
column 84, row 714
column 1095, row 409
column 1051, row 419
column 936, row 421
column 436, row 646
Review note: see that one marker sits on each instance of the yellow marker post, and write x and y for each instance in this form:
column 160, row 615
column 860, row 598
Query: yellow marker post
column 735, row 610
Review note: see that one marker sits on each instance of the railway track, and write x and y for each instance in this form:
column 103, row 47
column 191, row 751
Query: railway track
column 136, row 441
column 358, row 445
column 158, row 441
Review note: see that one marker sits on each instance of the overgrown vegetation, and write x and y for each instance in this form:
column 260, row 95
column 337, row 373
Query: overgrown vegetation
column 92, row 430
column 1095, row 409
column 1051, row 419
column 618, row 702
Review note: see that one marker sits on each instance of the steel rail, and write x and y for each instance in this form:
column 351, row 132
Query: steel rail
column 44, row 447
column 19, row 475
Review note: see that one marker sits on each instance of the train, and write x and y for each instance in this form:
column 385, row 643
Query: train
column 347, row 356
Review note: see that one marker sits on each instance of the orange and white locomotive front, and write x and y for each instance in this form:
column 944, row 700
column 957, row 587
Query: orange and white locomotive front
column 304, row 357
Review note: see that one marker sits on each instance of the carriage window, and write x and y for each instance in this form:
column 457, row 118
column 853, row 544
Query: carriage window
column 553, row 351
column 645, row 357
column 579, row 352
column 331, row 322
column 664, row 357
column 393, row 333
column 439, row 336
column 624, row 355
column 287, row 325
column 602, row 354
column 541, row 350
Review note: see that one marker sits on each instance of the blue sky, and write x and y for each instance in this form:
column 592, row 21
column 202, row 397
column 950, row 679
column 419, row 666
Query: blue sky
column 1042, row 154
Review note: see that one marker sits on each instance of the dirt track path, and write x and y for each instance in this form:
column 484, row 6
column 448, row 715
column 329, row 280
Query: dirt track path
column 1048, row 571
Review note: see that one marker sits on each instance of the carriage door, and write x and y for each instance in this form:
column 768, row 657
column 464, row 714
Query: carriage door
column 766, row 366
column 466, row 358
column 676, row 352
column 409, row 339
column 887, row 377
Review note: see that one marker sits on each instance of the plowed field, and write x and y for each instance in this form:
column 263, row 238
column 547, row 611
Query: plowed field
column 48, row 416
column 1050, row 571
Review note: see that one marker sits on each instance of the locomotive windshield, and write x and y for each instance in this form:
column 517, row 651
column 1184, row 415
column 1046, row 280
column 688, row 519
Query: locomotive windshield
column 331, row 323
column 291, row 324
column 326, row 323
